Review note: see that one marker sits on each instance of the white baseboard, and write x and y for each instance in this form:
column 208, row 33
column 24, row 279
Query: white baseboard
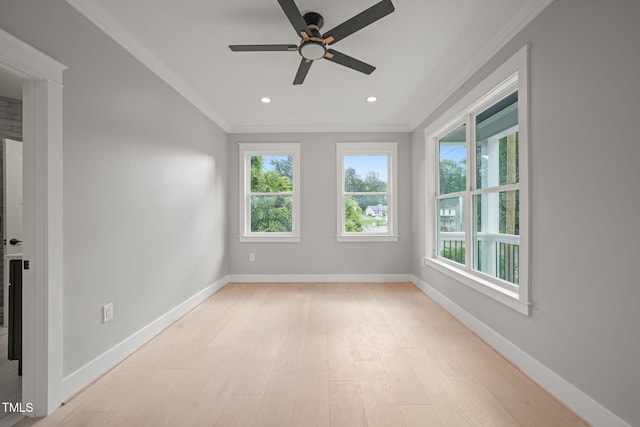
column 592, row 411
column 84, row 376
column 319, row 278
column 578, row 401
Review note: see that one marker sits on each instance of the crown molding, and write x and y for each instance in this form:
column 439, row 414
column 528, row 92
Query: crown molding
column 123, row 37
column 527, row 14
column 314, row 128
column 102, row 19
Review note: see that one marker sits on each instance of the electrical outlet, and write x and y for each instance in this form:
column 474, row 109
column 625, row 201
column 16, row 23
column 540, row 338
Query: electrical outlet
column 252, row 257
column 107, row 312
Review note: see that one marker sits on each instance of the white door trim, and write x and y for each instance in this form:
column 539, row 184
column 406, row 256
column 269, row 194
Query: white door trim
column 42, row 223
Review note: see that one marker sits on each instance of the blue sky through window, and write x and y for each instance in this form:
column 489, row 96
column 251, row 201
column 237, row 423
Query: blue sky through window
column 266, row 164
column 453, row 152
column 365, row 164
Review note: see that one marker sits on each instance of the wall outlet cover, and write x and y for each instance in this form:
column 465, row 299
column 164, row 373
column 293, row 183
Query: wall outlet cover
column 107, row 312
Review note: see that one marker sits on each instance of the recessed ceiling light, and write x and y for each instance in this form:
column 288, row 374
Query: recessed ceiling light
column 265, row 100
column 371, row 99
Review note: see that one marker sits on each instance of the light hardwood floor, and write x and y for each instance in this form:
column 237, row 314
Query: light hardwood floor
column 10, row 382
column 312, row 354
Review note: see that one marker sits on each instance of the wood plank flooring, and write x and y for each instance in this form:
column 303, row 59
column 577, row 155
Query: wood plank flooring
column 10, row 382
column 314, row 354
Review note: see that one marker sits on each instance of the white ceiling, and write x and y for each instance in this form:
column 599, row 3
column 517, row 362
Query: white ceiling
column 423, row 51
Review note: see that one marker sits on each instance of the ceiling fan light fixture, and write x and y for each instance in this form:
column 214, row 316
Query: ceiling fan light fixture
column 372, row 99
column 265, row 100
column 312, row 50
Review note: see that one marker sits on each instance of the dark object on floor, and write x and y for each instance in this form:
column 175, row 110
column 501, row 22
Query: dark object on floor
column 15, row 312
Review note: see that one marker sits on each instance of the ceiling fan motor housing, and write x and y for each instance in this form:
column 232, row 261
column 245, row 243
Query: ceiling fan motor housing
column 314, row 19
column 313, row 48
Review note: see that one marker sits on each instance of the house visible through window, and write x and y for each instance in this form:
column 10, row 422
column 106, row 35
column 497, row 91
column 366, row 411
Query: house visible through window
column 270, row 192
column 494, row 214
column 453, row 184
column 366, row 189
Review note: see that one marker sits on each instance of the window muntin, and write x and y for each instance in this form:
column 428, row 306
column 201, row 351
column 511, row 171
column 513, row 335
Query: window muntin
column 495, row 200
column 495, row 228
column 365, row 194
column 269, row 192
column 496, row 235
column 452, row 184
column 366, row 188
column 477, row 213
column 494, row 245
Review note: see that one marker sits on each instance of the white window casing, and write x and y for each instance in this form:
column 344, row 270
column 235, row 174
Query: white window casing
column 390, row 151
column 246, row 152
column 510, row 77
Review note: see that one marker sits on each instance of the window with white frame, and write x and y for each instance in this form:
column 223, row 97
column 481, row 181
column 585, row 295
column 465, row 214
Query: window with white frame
column 367, row 192
column 478, row 213
column 269, row 192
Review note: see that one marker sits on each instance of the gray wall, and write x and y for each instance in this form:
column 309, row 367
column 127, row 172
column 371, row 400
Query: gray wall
column 151, row 194
column 585, row 204
column 145, row 182
column 318, row 251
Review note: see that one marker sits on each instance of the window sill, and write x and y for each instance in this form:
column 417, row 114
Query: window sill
column 509, row 298
column 367, row 238
column 270, row 239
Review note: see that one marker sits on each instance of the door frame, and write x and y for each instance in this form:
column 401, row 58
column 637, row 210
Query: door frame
column 42, row 221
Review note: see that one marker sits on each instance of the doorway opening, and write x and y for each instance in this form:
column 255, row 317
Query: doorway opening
column 11, row 166
column 42, row 251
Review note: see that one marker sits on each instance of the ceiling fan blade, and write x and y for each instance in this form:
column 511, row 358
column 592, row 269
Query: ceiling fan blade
column 295, row 17
column 303, row 69
column 262, row 47
column 347, row 61
column 369, row 16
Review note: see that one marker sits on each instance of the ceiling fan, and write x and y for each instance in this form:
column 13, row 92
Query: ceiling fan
column 313, row 45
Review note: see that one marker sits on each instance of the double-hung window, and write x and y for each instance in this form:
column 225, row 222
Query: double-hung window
column 269, row 192
column 478, row 222
column 367, row 192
